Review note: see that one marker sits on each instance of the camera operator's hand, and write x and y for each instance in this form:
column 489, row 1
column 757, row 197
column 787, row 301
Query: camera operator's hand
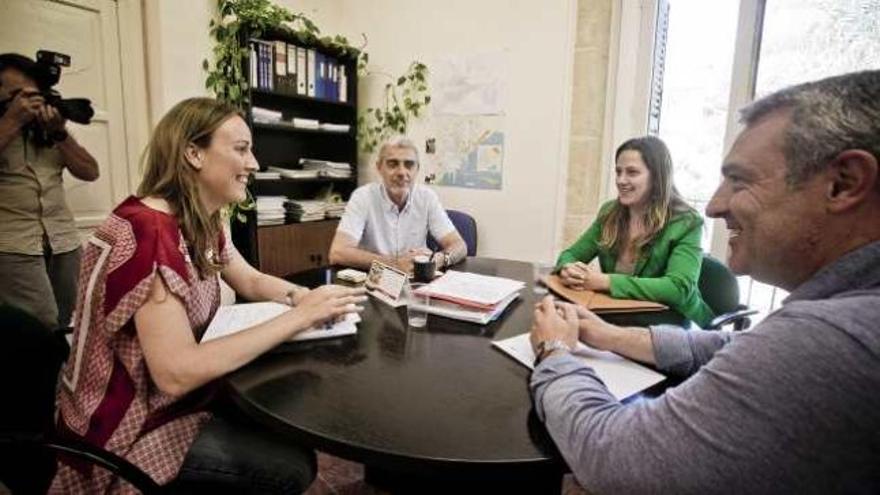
column 50, row 119
column 25, row 106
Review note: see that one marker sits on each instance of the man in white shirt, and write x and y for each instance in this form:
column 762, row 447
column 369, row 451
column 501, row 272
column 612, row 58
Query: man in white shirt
column 389, row 221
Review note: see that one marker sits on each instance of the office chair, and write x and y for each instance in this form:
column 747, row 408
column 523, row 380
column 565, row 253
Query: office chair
column 31, row 356
column 466, row 227
column 720, row 291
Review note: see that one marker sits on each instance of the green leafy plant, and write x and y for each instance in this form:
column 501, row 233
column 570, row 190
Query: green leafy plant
column 405, row 99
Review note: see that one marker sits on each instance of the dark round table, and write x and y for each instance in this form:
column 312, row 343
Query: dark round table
column 437, row 407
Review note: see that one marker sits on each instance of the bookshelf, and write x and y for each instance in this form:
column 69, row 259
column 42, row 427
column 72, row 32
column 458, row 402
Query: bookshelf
column 296, row 246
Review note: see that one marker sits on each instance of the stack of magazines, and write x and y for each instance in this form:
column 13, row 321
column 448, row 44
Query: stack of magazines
column 470, row 296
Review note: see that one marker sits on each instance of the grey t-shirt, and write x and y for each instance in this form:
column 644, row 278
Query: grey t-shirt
column 792, row 406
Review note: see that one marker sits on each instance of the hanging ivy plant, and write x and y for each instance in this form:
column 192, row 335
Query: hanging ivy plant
column 405, row 99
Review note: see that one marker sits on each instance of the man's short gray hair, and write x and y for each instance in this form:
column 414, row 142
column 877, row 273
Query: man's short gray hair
column 397, row 142
column 828, row 116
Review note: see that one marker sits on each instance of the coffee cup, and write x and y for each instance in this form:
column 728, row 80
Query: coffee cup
column 423, row 268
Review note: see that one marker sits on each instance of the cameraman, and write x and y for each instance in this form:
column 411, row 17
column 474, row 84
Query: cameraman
column 39, row 242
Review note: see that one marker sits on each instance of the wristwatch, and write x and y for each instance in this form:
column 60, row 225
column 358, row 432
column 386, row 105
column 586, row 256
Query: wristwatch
column 545, row 347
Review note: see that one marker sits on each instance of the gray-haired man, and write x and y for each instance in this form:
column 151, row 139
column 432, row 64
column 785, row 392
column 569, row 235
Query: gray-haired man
column 390, row 220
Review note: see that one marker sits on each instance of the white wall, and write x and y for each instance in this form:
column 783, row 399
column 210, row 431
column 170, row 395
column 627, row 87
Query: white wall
column 177, row 40
column 523, row 220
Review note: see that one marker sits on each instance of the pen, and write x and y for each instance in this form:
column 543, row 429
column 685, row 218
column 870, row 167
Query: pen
column 328, row 276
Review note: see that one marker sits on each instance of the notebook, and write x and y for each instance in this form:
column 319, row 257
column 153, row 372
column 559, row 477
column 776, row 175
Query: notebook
column 237, row 317
column 599, row 302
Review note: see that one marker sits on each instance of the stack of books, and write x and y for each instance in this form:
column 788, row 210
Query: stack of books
column 270, row 210
column 470, row 296
column 305, row 210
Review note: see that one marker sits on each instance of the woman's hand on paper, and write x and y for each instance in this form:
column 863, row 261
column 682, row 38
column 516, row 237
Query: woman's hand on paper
column 579, row 276
column 573, row 275
column 552, row 323
column 329, row 302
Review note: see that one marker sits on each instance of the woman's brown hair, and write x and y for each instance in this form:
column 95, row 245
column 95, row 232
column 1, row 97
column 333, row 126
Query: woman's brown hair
column 664, row 200
column 168, row 174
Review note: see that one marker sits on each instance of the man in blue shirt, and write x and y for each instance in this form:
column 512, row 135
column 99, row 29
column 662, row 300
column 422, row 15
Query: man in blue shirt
column 792, row 405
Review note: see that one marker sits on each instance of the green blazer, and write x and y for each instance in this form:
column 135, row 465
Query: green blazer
column 667, row 271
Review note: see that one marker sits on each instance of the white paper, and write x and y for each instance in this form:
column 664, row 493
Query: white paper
column 622, row 376
column 237, row 317
column 481, row 289
column 464, row 313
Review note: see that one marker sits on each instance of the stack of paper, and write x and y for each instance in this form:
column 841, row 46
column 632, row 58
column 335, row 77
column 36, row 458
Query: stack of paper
column 265, row 116
column 268, row 175
column 325, row 126
column 305, row 210
column 334, row 209
column 293, row 173
column 300, row 123
column 470, row 296
column 622, row 376
column 270, row 210
column 326, row 168
column 237, row 317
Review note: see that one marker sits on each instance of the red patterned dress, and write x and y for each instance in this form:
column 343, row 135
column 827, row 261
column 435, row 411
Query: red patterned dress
column 106, row 396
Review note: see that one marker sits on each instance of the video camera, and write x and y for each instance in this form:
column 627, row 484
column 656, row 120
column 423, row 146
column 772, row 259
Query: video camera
column 46, row 72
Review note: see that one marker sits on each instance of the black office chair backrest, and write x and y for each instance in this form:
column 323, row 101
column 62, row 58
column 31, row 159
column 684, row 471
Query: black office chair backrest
column 30, row 358
column 718, row 286
column 466, row 227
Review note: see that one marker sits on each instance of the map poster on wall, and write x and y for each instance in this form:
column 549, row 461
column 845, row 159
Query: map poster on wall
column 467, row 151
column 469, row 85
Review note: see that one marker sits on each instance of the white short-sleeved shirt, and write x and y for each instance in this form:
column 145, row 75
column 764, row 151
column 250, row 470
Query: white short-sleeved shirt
column 375, row 222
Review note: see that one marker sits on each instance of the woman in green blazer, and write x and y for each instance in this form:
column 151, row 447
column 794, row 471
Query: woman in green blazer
column 647, row 240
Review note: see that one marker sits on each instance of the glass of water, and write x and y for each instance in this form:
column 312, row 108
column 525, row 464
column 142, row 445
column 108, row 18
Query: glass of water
column 540, row 271
column 417, row 305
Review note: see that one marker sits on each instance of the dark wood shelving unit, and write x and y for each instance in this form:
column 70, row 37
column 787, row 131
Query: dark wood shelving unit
column 290, row 248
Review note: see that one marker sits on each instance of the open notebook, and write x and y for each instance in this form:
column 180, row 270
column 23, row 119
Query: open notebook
column 599, row 302
column 622, row 376
column 237, row 317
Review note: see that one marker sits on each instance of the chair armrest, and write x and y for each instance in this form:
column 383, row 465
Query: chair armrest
column 88, row 453
column 739, row 318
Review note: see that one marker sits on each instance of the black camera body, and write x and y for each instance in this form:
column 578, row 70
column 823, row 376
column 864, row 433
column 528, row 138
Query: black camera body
column 46, row 72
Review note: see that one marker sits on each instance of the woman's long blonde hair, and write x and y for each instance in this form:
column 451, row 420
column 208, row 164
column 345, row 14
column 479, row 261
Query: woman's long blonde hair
column 664, row 201
column 168, row 174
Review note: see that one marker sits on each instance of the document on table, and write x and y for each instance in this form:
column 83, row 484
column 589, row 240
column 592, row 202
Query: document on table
column 237, row 317
column 622, row 376
column 472, row 288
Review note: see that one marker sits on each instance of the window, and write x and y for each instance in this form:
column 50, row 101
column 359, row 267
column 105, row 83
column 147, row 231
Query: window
column 718, row 56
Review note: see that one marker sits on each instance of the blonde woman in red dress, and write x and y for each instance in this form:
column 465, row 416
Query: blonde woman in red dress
column 138, row 381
